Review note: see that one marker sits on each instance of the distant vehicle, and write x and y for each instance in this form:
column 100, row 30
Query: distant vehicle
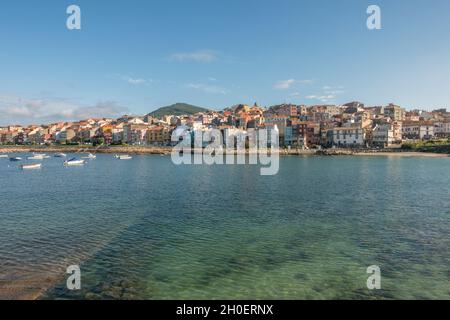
column 31, row 166
column 15, row 159
column 74, row 162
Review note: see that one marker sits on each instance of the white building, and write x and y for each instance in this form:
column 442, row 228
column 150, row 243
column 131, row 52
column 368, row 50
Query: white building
column 135, row 120
column 383, row 135
column 442, row 128
column 117, row 135
column 234, row 137
column 198, row 125
column 422, row 130
column 349, row 137
column 447, row 127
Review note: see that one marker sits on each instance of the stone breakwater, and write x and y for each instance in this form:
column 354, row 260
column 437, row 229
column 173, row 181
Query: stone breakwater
column 120, row 150
column 78, row 149
column 167, row 151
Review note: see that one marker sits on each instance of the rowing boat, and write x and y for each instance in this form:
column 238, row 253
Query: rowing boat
column 31, row 166
column 74, row 162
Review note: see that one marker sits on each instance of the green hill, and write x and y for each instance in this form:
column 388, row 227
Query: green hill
column 177, row 109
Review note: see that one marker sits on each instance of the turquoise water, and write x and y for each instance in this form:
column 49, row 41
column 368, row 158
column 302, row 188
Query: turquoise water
column 147, row 229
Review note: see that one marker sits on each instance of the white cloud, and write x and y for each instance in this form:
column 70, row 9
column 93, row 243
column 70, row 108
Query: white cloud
column 103, row 109
column 204, row 56
column 333, row 90
column 207, row 88
column 135, row 81
column 322, row 98
column 17, row 110
column 285, row 84
column 329, row 94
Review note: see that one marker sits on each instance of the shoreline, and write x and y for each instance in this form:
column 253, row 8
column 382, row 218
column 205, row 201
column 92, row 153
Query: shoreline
column 405, row 154
column 143, row 150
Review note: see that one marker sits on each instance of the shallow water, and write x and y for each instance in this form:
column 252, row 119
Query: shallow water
column 147, row 229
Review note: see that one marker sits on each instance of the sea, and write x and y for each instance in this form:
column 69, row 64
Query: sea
column 146, row 228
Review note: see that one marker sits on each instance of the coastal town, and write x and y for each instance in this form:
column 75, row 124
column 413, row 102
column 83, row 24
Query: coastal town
column 348, row 126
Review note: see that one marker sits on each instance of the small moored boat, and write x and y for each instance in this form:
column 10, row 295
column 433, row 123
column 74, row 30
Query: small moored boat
column 31, row 166
column 90, row 156
column 124, row 157
column 74, row 162
column 41, row 155
column 15, row 159
column 60, row 155
column 36, row 157
column 2, row 156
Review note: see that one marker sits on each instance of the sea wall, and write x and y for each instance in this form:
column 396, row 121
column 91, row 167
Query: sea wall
column 168, row 150
column 118, row 150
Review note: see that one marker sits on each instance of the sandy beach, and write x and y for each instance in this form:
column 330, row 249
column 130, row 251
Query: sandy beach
column 402, row 154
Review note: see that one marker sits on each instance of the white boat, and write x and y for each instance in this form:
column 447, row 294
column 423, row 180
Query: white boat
column 124, row 157
column 90, row 156
column 31, row 166
column 74, row 162
column 36, row 157
column 15, row 159
column 2, row 156
column 60, row 155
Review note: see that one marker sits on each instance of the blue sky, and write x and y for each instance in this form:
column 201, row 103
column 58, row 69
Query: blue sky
column 134, row 56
